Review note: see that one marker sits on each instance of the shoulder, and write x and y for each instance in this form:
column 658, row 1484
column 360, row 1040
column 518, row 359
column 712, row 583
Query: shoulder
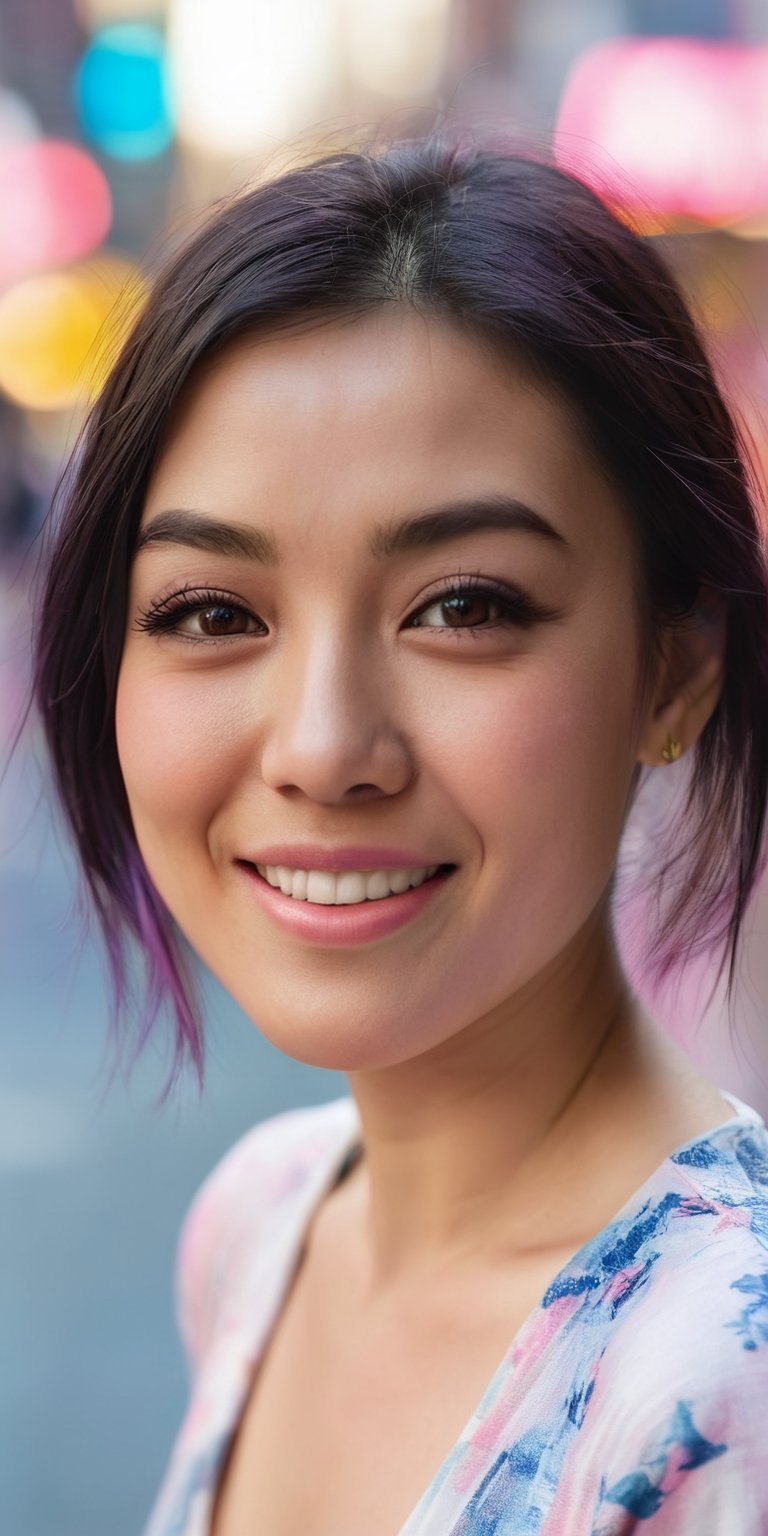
column 692, row 1260
column 681, row 1390
column 237, row 1201
column 730, row 1163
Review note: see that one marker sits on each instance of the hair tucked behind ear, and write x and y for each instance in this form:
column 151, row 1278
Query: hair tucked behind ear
column 514, row 249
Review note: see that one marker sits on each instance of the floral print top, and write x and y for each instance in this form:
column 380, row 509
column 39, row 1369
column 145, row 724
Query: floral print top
column 634, row 1398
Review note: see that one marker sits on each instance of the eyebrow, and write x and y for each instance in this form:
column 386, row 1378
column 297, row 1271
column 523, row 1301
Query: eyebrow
column 180, row 525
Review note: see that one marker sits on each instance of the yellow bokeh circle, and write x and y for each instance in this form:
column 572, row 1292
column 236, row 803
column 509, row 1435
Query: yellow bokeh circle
column 60, row 332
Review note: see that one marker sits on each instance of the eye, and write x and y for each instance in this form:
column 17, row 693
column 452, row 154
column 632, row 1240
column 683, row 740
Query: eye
column 220, row 619
column 199, row 616
column 472, row 604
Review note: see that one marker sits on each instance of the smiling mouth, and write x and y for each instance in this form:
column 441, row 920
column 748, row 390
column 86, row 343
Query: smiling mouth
column 346, row 889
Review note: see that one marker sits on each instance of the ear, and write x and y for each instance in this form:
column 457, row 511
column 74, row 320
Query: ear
column 689, row 681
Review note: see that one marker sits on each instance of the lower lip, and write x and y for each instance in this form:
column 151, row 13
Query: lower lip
column 356, row 923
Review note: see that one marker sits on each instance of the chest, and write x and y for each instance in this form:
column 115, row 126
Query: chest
column 349, row 1419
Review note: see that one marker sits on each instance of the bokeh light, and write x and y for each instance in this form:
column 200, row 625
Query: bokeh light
column 672, row 126
column 245, row 72
column 121, row 90
column 61, row 202
column 60, row 331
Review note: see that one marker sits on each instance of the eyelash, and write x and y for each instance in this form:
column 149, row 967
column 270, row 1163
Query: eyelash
column 518, row 610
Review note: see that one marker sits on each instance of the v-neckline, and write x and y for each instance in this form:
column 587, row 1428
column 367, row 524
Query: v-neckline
column 319, row 1185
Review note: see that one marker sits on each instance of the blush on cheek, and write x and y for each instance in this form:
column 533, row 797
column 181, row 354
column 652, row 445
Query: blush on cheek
column 173, row 753
column 167, row 793
column 550, row 790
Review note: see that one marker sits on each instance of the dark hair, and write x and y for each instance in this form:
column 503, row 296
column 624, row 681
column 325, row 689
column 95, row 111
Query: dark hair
column 509, row 246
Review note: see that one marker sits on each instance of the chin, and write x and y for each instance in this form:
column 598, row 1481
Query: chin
column 333, row 1045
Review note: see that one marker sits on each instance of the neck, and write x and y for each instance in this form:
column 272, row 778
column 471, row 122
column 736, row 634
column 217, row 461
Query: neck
column 496, row 1142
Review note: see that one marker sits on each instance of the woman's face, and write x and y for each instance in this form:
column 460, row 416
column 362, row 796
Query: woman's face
column 331, row 682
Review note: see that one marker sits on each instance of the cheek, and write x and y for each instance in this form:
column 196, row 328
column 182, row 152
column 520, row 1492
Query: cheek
column 540, row 759
column 174, row 749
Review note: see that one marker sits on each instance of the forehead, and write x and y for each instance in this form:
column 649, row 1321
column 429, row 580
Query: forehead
column 363, row 417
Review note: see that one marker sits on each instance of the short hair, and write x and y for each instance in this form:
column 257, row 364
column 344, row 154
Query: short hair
column 519, row 251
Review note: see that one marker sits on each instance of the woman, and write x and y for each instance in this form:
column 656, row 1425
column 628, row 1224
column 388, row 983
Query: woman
column 409, row 538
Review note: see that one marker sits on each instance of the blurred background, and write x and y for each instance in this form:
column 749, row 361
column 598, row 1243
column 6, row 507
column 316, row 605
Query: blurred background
column 120, row 120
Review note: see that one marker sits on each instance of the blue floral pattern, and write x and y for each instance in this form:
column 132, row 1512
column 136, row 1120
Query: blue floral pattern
column 634, row 1398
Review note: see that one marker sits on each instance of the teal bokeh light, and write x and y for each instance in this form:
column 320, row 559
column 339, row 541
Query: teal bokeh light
column 121, row 89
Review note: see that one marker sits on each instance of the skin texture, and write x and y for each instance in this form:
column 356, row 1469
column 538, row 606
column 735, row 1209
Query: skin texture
column 499, row 1060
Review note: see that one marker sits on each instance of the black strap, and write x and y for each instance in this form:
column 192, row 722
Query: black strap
column 351, row 1158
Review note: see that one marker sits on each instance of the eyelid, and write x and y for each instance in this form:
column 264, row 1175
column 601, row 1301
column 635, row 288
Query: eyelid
column 206, row 591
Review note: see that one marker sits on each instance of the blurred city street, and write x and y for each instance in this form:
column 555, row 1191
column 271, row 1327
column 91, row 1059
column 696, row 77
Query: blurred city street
column 120, row 121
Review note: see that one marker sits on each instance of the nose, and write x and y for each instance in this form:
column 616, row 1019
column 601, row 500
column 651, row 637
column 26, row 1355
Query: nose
column 331, row 734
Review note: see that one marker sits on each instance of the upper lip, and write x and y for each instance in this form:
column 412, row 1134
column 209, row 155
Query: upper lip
column 361, row 857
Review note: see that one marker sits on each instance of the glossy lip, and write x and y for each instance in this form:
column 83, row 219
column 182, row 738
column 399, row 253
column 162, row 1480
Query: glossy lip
column 365, row 858
column 356, row 923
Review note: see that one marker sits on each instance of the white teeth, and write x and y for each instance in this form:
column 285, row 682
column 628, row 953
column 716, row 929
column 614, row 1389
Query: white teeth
column 321, row 887
column 399, row 880
column 325, row 888
column 349, row 887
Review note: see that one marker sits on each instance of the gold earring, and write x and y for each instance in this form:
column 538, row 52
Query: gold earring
column 671, row 749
